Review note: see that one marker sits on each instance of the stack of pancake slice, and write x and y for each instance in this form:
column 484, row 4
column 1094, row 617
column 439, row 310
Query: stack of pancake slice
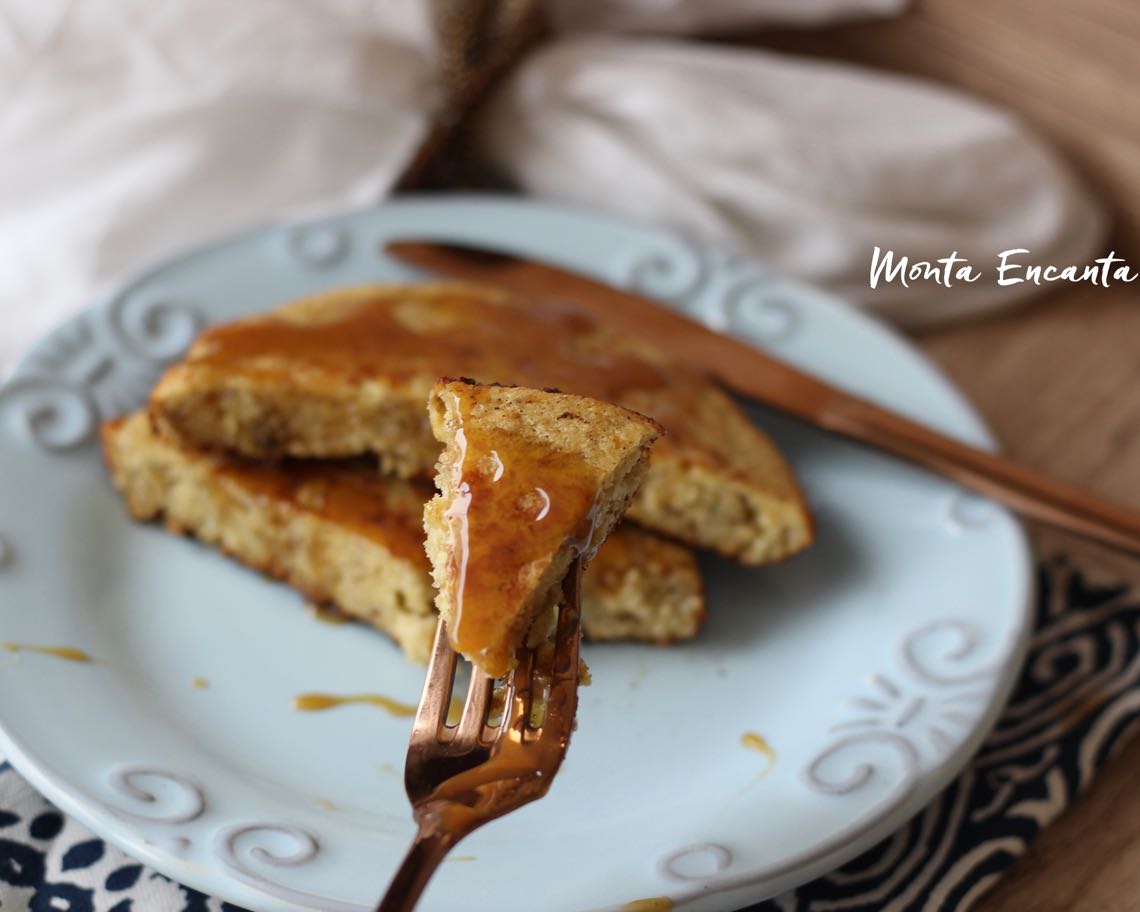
column 300, row 443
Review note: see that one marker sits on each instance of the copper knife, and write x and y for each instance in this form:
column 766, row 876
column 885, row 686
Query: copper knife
column 755, row 375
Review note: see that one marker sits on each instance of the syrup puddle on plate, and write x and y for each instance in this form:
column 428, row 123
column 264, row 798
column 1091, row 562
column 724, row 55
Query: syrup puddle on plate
column 67, row 653
column 319, row 702
column 654, row 904
column 755, row 742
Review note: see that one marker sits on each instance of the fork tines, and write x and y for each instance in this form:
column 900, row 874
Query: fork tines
column 546, row 676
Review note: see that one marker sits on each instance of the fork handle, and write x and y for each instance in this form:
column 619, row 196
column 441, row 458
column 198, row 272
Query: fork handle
column 428, row 850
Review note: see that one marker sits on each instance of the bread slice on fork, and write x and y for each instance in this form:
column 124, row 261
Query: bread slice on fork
column 529, row 480
column 350, row 538
column 347, row 372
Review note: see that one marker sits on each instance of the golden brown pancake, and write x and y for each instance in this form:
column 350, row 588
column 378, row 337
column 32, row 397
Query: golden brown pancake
column 347, row 372
column 349, row 537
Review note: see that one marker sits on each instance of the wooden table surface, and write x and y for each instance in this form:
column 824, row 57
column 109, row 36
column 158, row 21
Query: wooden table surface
column 1059, row 380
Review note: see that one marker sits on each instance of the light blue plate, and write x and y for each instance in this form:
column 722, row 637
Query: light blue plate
column 872, row 665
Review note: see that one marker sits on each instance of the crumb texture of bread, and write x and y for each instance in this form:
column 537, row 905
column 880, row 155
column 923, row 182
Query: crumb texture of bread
column 642, row 587
column 528, row 480
column 336, row 539
column 708, row 495
column 346, row 373
column 347, row 536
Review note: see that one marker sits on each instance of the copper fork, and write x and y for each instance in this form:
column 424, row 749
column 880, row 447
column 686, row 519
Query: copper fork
column 461, row 776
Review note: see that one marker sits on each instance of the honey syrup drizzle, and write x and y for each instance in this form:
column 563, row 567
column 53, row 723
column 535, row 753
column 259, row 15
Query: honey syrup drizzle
column 514, row 505
column 456, row 804
column 654, row 904
column 412, row 340
column 536, row 344
column 68, row 653
column 755, row 742
column 317, row 702
column 345, row 492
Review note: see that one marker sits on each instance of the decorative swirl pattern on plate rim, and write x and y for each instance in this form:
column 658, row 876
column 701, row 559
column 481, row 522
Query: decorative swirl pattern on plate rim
column 676, row 274
column 153, row 328
column 864, row 769
column 130, row 782
column 724, row 289
column 55, row 414
column 228, row 850
column 135, row 782
column 966, row 512
column 778, row 320
column 718, row 855
column 318, row 245
column 96, row 366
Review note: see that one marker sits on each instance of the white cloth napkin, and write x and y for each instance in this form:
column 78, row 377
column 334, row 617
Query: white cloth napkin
column 804, row 164
column 130, row 129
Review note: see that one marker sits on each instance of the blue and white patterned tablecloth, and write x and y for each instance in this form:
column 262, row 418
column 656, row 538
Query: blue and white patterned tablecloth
column 1078, row 698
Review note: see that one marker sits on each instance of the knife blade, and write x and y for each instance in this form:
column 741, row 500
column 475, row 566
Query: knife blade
column 758, row 376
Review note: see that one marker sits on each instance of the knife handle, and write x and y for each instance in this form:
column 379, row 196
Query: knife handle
column 1032, row 494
